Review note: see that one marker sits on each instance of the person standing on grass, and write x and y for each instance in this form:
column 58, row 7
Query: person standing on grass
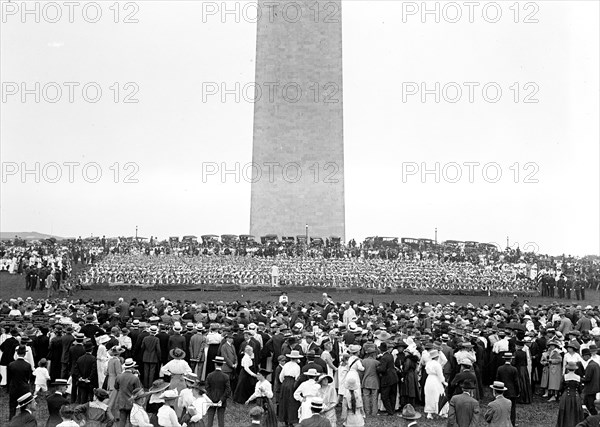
column 499, row 409
column 464, row 409
column 18, row 375
column 218, row 391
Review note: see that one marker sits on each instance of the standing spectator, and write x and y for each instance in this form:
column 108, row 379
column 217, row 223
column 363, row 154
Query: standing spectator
column 499, row 409
column 151, row 356
column 434, row 384
column 19, row 375
column 370, row 380
column 463, row 408
column 26, row 418
column 218, row 391
column 509, row 376
column 86, row 373
column 56, row 401
column 125, row 384
column 353, row 413
column 570, row 411
column 591, row 381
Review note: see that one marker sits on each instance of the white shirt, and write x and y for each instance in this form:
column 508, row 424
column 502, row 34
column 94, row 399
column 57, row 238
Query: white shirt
column 176, row 367
column 201, row 405
column 290, row 369
column 167, row 417
column 139, row 417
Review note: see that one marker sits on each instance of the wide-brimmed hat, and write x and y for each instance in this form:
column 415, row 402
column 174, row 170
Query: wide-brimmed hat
column 409, row 413
column 434, row 353
column 169, row 395
column 177, row 327
column 177, row 353
column 573, row 344
column 138, row 393
column 101, row 394
column 323, row 376
column 25, row 400
column 153, row 329
column 158, row 386
column 312, row 372
column 129, row 363
column 294, row 354
column 116, row 350
column 103, row 339
column 571, row 366
column 353, row 348
column 498, row 386
column 190, row 377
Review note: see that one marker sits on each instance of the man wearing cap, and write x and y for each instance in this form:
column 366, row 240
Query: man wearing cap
column 509, row 376
column 19, row 374
column 56, row 401
column 316, row 420
column 151, row 356
column 499, row 409
column 463, row 408
column 125, row 384
column 26, row 418
column 590, row 381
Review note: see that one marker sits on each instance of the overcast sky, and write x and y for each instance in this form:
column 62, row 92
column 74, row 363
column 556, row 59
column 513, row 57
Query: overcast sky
column 550, row 135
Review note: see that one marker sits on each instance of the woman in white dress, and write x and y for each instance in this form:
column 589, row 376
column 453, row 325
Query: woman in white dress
column 328, row 358
column 330, row 398
column 434, row 385
column 306, row 392
column 102, row 358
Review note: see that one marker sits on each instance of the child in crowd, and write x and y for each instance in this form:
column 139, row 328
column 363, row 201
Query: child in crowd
column 42, row 376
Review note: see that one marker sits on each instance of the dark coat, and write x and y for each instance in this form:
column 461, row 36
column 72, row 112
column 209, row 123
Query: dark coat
column 86, row 368
column 315, row 421
column 217, row 387
column 125, row 383
column 8, row 348
column 509, row 375
column 75, row 352
column 387, row 370
column 150, row 349
column 591, row 380
column 55, row 402
column 18, row 377
column 463, row 411
column 23, row 419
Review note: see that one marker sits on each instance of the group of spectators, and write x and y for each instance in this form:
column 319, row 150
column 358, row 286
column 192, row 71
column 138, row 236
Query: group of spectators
column 173, row 363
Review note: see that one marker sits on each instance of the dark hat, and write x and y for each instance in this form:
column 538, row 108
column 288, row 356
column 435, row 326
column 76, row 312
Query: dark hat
column 101, row 394
column 88, row 346
column 586, row 352
column 468, row 384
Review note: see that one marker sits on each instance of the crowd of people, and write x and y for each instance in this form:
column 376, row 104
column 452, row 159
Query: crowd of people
column 181, row 363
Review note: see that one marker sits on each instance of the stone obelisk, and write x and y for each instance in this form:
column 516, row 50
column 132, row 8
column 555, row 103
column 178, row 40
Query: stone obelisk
column 298, row 150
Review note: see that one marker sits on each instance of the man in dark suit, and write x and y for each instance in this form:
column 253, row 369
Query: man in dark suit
column 316, row 420
column 8, row 348
column 151, row 356
column 18, row 377
column 86, row 373
column 75, row 352
column 218, row 390
column 125, row 384
column 227, row 351
column 56, row 401
column 66, row 340
column 591, row 381
column 509, row 375
column 26, row 418
column 592, row 420
column 463, row 408
column 388, row 379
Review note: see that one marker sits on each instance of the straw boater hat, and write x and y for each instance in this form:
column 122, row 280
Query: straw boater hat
column 498, row 386
column 312, row 372
column 294, row 354
column 24, row 400
column 316, row 403
column 177, row 353
column 129, row 363
column 409, row 413
column 507, row 355
column 60, row 382
column 219, row 360
column 353, row 348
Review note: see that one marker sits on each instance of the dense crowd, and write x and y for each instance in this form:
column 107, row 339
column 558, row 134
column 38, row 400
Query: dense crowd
column 175, row 363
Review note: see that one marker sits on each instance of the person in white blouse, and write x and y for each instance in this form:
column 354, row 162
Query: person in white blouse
column 166, row 414
column 199, row 406
column 306, row 392
column 263, row 393
column 288, row 406
column 102, row 357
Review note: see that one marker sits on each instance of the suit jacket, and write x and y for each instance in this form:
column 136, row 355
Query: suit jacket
column 86, row 368
column 18, row 377
column 370, row 379
column 217, row 387
column 315, row 421
column 150, row 349
column 75, row 352
column 509, row 375
column 55, row 402
column 228, row 353
column 591, row 380
column 590, row 421
column 387, row 370
column 498, row 413
column 125, row 383
column 8, row 348
column 66, row 340
column 463, row 411
column 23, row 419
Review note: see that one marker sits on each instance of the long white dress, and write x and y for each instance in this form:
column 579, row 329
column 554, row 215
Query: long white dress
column 434, row 386
column 102, row 358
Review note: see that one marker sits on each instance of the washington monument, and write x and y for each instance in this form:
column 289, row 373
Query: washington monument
column 298, row 148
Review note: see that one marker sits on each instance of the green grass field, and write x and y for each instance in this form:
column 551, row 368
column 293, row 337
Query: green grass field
column 539, row 414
